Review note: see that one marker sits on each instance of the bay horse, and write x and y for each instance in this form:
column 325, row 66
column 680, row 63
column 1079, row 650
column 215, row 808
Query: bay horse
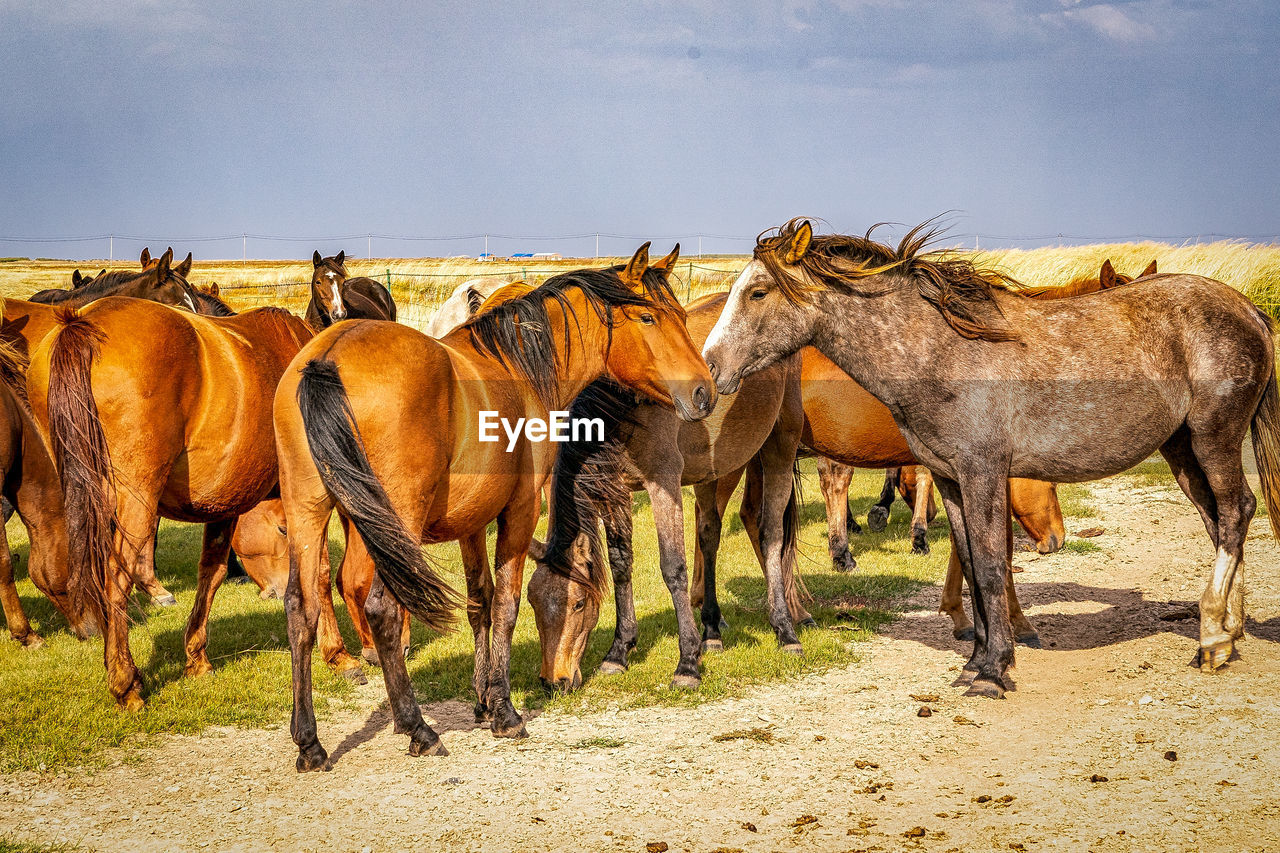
column 759, row 426
column 30, row 483
column 335, row 296
column 154, row 412
column 383, row 422
column 998, row 385
column 158, row 280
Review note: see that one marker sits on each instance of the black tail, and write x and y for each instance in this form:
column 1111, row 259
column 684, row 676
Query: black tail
column 338, row 451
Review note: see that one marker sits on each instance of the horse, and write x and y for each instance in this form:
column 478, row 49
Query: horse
column 384, row 423
column 79, row 280
column 30, row 484
column 153, row 412
column 260, row 542
column 464, row 302
column 758, row 426
column 996, row 385
column 336, row 297
column 157, row 281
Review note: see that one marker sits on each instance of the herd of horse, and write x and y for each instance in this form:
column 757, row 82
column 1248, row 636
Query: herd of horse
column 135, row 395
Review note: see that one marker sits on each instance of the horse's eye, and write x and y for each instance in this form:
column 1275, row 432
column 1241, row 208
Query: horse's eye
column 757, row 294
column 647, row 319
column 283, row 532
column 579, row 606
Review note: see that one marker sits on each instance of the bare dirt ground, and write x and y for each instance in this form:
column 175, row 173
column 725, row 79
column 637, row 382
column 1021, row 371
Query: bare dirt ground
column 1112, row 741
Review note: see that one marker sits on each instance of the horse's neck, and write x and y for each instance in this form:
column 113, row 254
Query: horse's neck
column 877, row 340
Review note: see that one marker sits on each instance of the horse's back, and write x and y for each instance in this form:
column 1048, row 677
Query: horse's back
column 374, row 302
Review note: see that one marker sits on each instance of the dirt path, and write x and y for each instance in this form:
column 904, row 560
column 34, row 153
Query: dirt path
column 852, row 767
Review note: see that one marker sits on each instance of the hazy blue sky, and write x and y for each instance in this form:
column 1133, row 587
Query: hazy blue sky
column 169, row 118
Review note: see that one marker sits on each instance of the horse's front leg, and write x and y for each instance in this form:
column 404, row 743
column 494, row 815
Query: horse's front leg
column 668, row 517
column 921, row 508
column 617, row 534
column 515, row 531
column 211, row 573
column 475, row 563
column 979, row 503
column 834, row 480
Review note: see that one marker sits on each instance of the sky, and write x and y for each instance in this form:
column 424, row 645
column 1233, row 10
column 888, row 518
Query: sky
column 1023, row 120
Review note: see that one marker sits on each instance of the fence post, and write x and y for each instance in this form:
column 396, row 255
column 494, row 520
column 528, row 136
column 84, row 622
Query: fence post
column 689, row 287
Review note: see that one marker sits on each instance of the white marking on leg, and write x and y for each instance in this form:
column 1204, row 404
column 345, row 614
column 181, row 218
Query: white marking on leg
column 1213, row 604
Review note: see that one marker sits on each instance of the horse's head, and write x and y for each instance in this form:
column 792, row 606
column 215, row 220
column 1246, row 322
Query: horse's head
column 162, row 282
column 327, row 277
column 566, row 608
column 763, row 318
column 651, row 351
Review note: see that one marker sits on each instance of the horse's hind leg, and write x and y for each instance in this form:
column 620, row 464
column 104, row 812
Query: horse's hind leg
column 212, row 571
column 515, row 531
column 386, row 619
column 19, row 627
column 617, row 534
column 878, row 515
column 952, row 602
column 920, row 507
column 749, row 513
column 475, row 562
column 699, row 586
column 135, row 529
column 354, row 581
column 708, row 520
column 834, row 479
column 144, row 572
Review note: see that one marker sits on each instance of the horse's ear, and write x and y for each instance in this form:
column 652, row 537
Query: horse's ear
column 537, row 550
column 633, row 273
column 1107, row 278
column 146, row 257
column 214, row 290
column 316, row 259
column 162, row 265
column 76, row 279
column 667, row 264
column 1150, row 270
column 799, row 243
column 185, row 267
column 342, row 257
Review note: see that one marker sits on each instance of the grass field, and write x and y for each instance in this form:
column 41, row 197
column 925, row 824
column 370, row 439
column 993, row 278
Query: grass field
column 57, row 713
column 420, row 285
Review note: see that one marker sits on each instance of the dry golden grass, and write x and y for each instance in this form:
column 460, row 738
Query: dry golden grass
column 419, row 285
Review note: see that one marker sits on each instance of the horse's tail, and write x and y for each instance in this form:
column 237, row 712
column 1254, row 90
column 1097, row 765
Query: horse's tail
column 340, row 458
column 84, row 460
column 1266, row 450
column 794, row 587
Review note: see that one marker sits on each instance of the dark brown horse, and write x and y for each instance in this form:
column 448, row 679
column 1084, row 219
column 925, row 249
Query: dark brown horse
column 30, row 484
column 336, row 297
column 157, row 412
column 758, row 426
column 998, row 385
column 157, row 281
column 390, row 426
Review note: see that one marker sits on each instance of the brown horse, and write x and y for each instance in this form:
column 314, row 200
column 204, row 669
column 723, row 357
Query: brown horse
column 393, row 428
column 335, row 296
column 758, row 426
column 261, row 543
column 30, row 484
column 158, row 281
column 997, row 385
column 153, row 411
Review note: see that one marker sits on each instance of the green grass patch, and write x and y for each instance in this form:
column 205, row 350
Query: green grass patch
column 1153, row 472
column 599, row 743
column 10, row 844
column 1080, row 546
column 1076, row 501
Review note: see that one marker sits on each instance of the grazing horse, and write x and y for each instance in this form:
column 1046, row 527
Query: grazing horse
column 30, row 484
column 157, row 412
column 387, row 424
column 336, row 297
column 260, row 542
column 758, row 426
column 996, row 385
column 464, row 302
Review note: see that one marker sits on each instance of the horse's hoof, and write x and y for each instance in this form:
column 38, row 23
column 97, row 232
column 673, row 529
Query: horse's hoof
column 483, row 714
column 707, row 646
column 609, row 667
column 965, row 678
column 852, row 525
column 964, row 635
column 1031, row 640
column 1215, row 654
column 844, row 562
column 426, row 742
column 985, row 688
column 877, row 519
column 793, row 649
column 686, row 682
column 31, row 641
column 312, row 758
column 197, row 668
column 807, row 622
column 371, row 657
column 507, row 722
column 355, row 675
column 920, row 547
column 516, row 731
column 166, row 600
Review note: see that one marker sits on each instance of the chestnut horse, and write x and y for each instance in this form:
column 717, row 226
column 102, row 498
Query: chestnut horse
column 30, row 484
column 384, row 423
column 758, row 426
column 336, row 297
column 996, row 385
column 157, row 412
